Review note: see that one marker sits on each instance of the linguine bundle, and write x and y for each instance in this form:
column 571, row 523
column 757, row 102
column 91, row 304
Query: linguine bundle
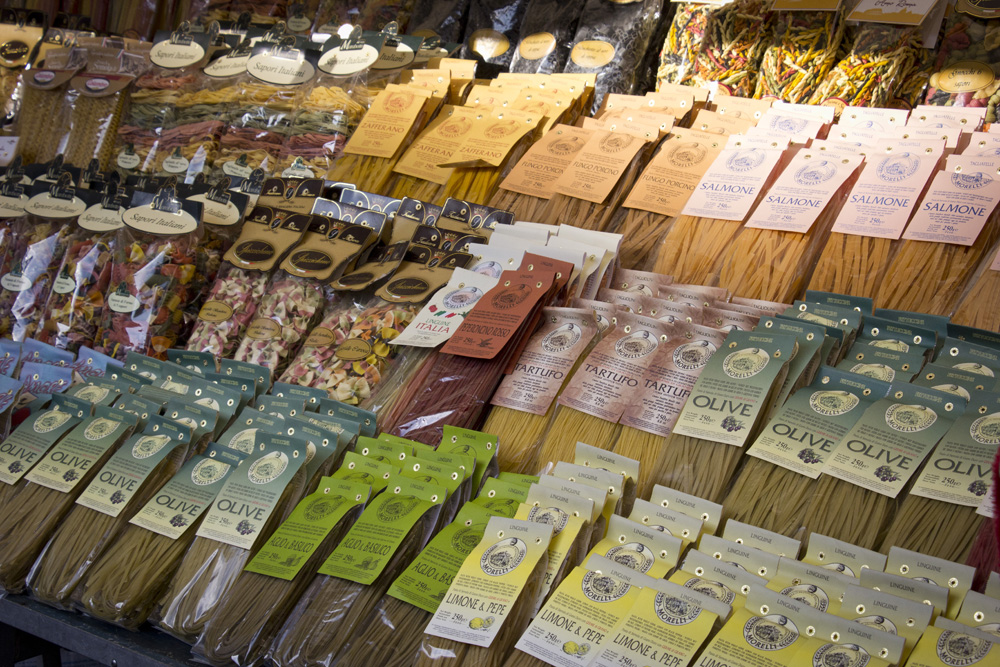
column 769, row 497
column 565, row 210
column 251, row 612
column 524, row 207
column 980, row 305
column 848, row 264
column 696, row 466
column 935, row 528
column 440, row 652
column 640, row 445
column 85, row 534
column 331, row 609
column 571, row 426
column 863, row 524
column 391, row 636
column 642, row 233
column 209, row 569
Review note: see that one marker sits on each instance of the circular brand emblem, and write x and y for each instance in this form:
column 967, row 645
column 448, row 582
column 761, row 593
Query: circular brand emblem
column 208, row 403
column 891, row 344
column 954, row 389
column 263, row 329
column 833, row 403
column 353, row 349
column 462, row 298
column 93, row 394
column 973, row 181
column 208, row 471
column 957, row 649
column 511, row 297
column 745, row 160
column 502, row 506
column 63, row 285
column 465, row 539
column 503, row 557
column 633, row 555
column 563, row 338
column 616, row 143
column 537, row 46
column 839, row 567
column 713, row 589
column 814, row 596
column 635, row 345
column 986, row 430
column 397, row 507
column 603, row 588
column 686, row 155
column 148, row 445
column 267, row 468
column 44, row 76
column 488, row 268
column 50, row 421
column 815, row 172
column 100, row 428
column 991, row 628
column 215, row 312
column 791, row 125
column 972, row 367
column 875, row 371
column 897, row 168
column 552, row 516
column 398, row 102
column 909, row 418
column 455, row 127
column 322, row 507
column 965, row 76
column 876, row 622
column 674, row 611
column 244, row 441
column 691, row 356
column 840, row 655
column 603, row 323
column 592, row 53
column 96, row 84
column 743, row 364
column 502, row 129
column 14, row 50
column 770, row 633
column 488, row 43
column 566, row 146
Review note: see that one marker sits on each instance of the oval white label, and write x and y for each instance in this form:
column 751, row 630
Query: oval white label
column 15, row 283
column 148, row 219
column 175, row 56
column 100, row 219
column 345, row 63
column 47, row 206
column 280, row 71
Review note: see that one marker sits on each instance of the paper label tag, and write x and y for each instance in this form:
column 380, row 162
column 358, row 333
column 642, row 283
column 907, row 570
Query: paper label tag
column 959, row 202
column 732, row 183
column 440, row 318
column 762, row 641
column 674, row 172
column 73, row 457
column 184, row 498
column 490, row 581
column 123, row 475
column 386, row 124
column 841, row 556
column 699, row 508
column 943, row 648
column 639, row 547
column 436, row 144
column 598, row 166
column 31, row 441
column 536, row 173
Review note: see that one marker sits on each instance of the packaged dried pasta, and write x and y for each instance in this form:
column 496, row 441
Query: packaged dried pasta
column 154, row 275
column 20, row 30
column 874, row 69
column 126, row 482
column 679, row 52
column 492, row 29
column 264, row 489
column 803, row 49
column 75, row 307
column 126, row 582
column 611, row 41
column 444, row 20
column 51, row 487
column 967, row 62
column 45, row 131
column 544, row 41
column 732, row 48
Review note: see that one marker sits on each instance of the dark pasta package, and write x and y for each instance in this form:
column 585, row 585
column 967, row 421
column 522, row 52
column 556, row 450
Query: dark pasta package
column 546, row 36
column 493, row 29
column 611, row 42
column 445, row 20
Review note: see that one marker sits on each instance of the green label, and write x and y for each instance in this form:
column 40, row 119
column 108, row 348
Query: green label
column 952, row 381
column 261, row 374
column 216, row 451
column 368, row 471
column 243, row 433
column 139, row 407
column 863, row 305
column 182, row 500
column 898, row 336
column 200, row 419
column 969, row 357
column 30, row 441
column 881, row 363
column 97, row 394
column 395, row 453
column 280, row 406
column 502, row 497
column 464, row 462
column 251, row 494
column 311, row 395
column 731, row 392
column 811, row 339
column 242, row 385
column 71, row 404
column 322, row 443
column 464, row 441
column 402, row 442
column 310, row 522
column 364, row 418
column 807, row 428
column 74, row 456
column 425, row 582
column 432, row 472
column 124, row 375
column 518, row 478
column 123, row 475
column 372, row 541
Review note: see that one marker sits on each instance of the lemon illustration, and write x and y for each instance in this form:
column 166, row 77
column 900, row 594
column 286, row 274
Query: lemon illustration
column 477, row 624
column 571, row 648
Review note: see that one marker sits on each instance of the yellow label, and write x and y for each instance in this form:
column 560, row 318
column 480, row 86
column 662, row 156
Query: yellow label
column 215, row 311
column 489, row 43
column 639, row 547
column 762, row 641
column 963, row 77
column 537, row 46
column 948, row 648
column 592, row 53
column 263, row 329
column 565, row 532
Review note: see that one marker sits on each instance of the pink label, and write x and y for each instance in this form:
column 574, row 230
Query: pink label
column 886, row 194
column 803, row 191
column 790, row 124
column 983, row 144
column 731, row 185
column 959, row 201
column 611, row 374
column 949, row 135
column 876, row 119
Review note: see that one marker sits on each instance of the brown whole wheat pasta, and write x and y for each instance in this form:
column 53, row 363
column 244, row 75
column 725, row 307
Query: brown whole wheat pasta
column 209, row 569
column 571, row 426
column 85, row 534
column 251, row 613
column 692, row 247
column 440, row 652
column 126, row 582
column 699, row 467
column 769, row 497
column 849, row 262
column 847, row 512
column 980, row 305
column 391, row 636
column 934, row 528
column 331, row 608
